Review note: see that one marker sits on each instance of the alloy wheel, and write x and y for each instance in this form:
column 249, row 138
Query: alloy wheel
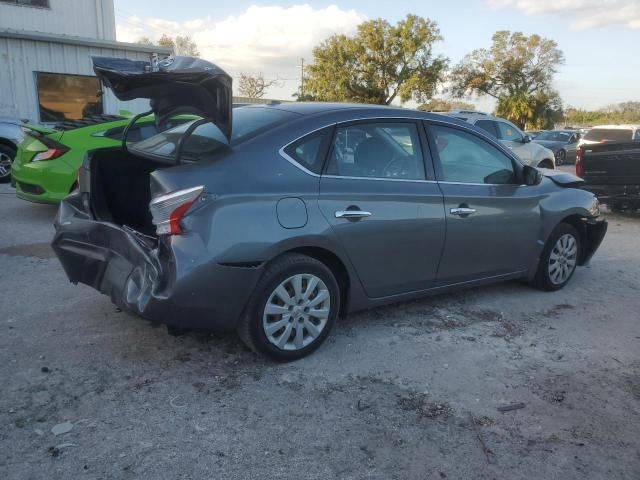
column 5, row 165
column 561, row 157
column 296, row 312
column 563, row 259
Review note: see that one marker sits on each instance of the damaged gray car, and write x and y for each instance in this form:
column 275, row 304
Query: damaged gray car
column 273, row 220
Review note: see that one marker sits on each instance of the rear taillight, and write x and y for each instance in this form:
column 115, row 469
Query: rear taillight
column 579, row 164
column 50, row 154
column 167, row 210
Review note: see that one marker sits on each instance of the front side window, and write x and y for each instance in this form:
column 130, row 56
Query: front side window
column 68, row 97
column 466, row 158
column 509, row 132
column 377, row 150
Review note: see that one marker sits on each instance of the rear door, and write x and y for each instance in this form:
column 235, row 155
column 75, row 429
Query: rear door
column 384, row 205
column 493, row 223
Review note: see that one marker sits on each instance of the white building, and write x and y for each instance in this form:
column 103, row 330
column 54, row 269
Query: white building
column 45, row 59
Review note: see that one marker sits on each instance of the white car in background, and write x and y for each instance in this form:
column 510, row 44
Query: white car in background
column 510, row 136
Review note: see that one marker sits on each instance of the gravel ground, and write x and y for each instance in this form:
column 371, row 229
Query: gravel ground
column 409, row 391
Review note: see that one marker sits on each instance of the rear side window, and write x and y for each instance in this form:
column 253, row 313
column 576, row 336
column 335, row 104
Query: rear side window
column 377, row 150
column 466, row 158
column 488, row 126
column 309, row 151
column 609, row 135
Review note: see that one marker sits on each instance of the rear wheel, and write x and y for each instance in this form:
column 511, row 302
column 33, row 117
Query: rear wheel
column 7, row 154
column 292, row 309
column 559, row 258
column 561, row 158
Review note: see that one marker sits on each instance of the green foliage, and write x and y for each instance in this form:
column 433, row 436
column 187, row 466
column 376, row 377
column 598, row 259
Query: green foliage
column 444, row 105
column 626, row 112
column 381, row 62
column 518, row 71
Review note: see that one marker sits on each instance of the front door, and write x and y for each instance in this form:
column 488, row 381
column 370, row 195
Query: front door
column 493, row 223
column 384, row 211
column 512, row 138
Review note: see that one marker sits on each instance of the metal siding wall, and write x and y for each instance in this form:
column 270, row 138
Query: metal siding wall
column 81, row 18
column 18, row 95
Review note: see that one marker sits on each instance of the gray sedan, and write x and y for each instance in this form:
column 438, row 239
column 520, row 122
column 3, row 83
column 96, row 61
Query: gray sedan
column 274, row 220
column 563, row 144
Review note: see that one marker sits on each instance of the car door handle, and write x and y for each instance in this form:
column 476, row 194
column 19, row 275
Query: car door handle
column 462, row 211
column 352, row 214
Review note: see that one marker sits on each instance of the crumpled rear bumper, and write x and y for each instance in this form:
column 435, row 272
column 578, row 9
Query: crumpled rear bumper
column 188, row 290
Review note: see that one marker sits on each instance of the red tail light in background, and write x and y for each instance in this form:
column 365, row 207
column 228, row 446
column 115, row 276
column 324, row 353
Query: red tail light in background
column 579, row 164
column 169, row 209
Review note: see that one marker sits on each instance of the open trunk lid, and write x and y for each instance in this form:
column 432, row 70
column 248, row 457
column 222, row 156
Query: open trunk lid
column 174, row 86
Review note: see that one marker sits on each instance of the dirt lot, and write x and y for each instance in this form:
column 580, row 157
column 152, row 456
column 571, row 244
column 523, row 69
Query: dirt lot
column 404, row 392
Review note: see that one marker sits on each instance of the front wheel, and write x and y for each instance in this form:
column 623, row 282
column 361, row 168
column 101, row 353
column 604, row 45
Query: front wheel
column 292, row 309
column 559, row 258
column 561, row 158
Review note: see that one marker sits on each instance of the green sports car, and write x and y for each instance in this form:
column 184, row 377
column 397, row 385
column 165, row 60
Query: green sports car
column 46, row 163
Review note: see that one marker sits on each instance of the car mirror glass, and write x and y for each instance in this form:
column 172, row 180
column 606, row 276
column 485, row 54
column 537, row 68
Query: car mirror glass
column 532, row 176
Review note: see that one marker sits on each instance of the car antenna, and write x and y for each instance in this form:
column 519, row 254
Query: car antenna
column 187, row 134
column 125, row 133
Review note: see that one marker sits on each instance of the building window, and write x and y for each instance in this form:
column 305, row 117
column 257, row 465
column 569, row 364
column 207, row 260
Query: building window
column 68, row 97
column 29, row 3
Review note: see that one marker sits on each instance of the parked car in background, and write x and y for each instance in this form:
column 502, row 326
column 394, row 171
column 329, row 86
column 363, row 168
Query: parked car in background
column 46, row 165
column 611, row 133
column 534, row 133
column 10, row 136
column 279, row 219
column 612, row 171
column 510, row 136
column 563, row 144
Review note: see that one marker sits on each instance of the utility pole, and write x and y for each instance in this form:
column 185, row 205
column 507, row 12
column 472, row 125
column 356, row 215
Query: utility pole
column 302, row 77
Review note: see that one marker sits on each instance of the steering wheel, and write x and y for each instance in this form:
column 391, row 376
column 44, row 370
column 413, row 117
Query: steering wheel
column 397, row 167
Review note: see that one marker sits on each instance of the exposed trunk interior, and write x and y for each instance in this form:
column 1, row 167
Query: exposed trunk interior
column 120, row 190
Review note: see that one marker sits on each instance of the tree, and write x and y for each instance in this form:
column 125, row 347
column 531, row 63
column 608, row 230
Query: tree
column 517, row 70
column 180, row 45
column 444, row 105
column 625, row 112
column 254, row 86
column 186, row 46
column 145, row 41
column 380, row 63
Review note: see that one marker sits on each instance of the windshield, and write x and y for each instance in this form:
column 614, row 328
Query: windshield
column 207, row 138
column 609, row 135
column 554, row 136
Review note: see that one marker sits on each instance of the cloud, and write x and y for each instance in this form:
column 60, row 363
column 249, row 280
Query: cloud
column 581, row 14
column 268, row 39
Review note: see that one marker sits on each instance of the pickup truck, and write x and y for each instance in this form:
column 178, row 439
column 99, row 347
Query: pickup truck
column 612, row 172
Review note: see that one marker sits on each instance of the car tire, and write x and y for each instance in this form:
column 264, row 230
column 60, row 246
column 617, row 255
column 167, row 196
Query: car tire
column 561, row 158
column 559, row 258
column 287, row 329
column 546, row 163
column 7, row 154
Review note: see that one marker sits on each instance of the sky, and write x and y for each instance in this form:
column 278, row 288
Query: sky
column 600, row 38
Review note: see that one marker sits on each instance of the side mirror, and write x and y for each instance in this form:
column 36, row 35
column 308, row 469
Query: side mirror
column 531, row 175
column 526, row 139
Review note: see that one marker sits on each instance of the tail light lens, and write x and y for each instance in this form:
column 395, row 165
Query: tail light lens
column 579, row 164
column 50, row 153
column 167, row 210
